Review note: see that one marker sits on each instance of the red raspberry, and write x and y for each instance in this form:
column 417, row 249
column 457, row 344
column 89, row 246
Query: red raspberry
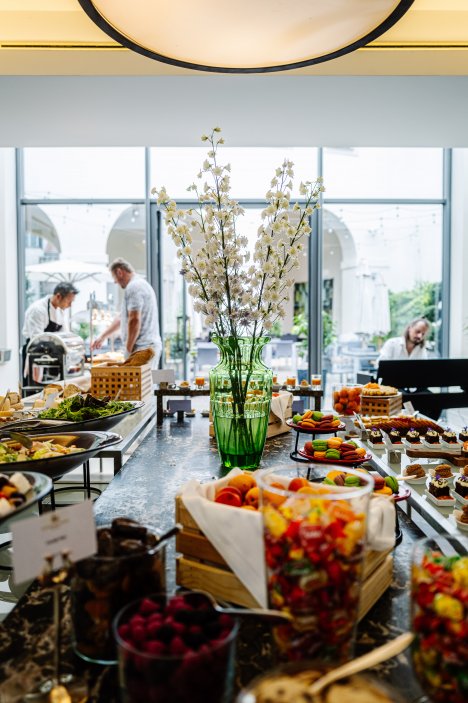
column 138, row 633
column 177, row 646
column 148, row 606
column 155, row 647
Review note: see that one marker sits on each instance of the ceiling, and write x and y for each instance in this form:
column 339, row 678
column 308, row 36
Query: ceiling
column 56, row 37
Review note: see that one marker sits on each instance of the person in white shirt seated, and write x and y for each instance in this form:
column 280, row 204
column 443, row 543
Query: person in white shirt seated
column 412, row 345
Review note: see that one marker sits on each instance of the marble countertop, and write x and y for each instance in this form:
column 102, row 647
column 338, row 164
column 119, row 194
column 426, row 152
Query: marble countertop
column 145, row 490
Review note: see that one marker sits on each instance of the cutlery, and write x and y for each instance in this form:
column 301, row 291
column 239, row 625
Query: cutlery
column 377, row 656
column 22, row 439
column 277, row 617
column 4, row 399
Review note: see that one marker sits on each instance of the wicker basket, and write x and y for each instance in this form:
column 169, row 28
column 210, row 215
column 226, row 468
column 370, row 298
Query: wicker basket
column 133, row 382
column 381, row 405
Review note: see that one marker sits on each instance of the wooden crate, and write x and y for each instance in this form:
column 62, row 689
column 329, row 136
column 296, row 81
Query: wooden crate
column 379, row 405
column 133, row 382
column 200, row 565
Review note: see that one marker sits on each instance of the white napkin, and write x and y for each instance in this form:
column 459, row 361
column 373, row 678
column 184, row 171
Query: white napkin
column 238, row 534
column 381, row 524
column 235, row 533
column 280, row 403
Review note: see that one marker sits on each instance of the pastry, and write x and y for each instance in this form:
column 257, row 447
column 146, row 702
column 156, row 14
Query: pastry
column 375, row 436
column 394, row 436
column 413, row 436
column 415, row 470
column 439, row 488
column 464, row 515
column 443, row 470
column 463, row 436
column 304, row 383
column 449, row 436
column 184, row 384
column 460, row 486
column 432, row 437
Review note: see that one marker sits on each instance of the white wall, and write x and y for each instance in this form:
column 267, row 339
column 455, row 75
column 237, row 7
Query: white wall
column 252, row 110
column 9, row 372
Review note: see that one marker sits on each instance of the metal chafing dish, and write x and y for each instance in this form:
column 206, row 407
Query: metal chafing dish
column 52, row 357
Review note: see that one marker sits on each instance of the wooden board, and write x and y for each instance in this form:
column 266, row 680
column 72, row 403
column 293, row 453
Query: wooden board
column 200, row 565
column 454, row 459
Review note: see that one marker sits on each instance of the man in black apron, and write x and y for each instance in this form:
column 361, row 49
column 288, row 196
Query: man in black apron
column 46, row 314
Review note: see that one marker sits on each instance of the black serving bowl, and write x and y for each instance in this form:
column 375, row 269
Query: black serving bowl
column 41, row 486
column 101, row 424
column 54, row 467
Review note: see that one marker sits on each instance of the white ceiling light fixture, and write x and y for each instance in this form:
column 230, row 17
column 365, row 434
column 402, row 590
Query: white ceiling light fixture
column 246, row 36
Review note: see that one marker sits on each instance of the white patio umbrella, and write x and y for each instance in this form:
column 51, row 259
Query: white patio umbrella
column 373, row 308
column 69, row 270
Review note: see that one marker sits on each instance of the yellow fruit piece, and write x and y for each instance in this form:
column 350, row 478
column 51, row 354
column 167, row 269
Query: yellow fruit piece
column 448, row 607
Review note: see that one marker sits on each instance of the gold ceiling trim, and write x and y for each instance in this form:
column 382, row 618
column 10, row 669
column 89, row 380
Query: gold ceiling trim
column 113, row 46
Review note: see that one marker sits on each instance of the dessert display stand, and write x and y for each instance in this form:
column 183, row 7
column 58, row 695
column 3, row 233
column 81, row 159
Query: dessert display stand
column 295, row 456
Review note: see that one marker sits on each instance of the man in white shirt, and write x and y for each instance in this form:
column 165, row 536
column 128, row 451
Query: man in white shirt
column 46, row 314
column 138, row 320
column 411, row 345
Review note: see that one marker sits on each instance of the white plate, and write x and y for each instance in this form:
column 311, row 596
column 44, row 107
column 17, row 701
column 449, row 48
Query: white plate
column 376, row 447
column 461, row 525
column 451, row 445
column 440, row 503
column 412, row 445
column 431, row 445
column 420, row 480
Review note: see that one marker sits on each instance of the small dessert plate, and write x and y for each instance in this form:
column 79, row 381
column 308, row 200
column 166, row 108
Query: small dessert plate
column 411, row 445
column 380, row 447
column 420, row 480
column 431, row 445
column 447, row 503
column 461, row 525
column 455, row 446
column 205, row 413
column 459, row 498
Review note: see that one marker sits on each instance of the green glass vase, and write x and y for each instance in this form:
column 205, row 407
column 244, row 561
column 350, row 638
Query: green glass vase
column 240, row 393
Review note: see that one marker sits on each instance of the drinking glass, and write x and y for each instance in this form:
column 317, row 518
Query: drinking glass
column 439, row 599
column 184, row 653
column 199, row 381
column 291, row 382
column 314, row 537
column 316, row 381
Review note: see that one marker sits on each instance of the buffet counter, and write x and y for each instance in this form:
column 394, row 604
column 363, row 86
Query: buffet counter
column 145, row 490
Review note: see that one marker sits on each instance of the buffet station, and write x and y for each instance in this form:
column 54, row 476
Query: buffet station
column 256, row 541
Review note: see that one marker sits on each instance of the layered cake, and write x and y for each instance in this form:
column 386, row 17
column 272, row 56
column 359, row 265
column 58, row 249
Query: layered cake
column 463, row 436
column 413, row 436
column 415, row 470
column 394, row 436
column 432, row 437
column 375, row 436
column 443, row 470
column 460, row 486
column 439, row 488
column 449, row 437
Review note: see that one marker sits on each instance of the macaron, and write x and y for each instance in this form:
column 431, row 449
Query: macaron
column 392, row 483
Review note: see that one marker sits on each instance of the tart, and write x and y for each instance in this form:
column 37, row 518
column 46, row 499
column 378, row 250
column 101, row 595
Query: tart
column 395, row 436
column 413, row 436
column 375, row 436
column 431, row 437
column 460, row 486
column 439, row 488
column 449, row 437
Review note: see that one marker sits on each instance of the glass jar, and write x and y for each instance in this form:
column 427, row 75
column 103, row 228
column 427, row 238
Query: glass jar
column 314, row 539
column 439, row 597
column 102, row 585
column 347, row 398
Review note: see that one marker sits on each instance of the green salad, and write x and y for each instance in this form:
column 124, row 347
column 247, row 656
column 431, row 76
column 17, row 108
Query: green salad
column 85, row 407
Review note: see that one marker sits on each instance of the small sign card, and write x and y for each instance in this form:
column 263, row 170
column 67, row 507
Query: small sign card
column 163, row 375
column 178, row 405
column 408, row 406
column 70, row 530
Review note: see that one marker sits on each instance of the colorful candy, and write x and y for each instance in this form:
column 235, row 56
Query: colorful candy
column 440, row 623
column 314, row 547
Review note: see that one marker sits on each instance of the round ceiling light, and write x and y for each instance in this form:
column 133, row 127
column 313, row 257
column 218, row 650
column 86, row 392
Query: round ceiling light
column 245, row 36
